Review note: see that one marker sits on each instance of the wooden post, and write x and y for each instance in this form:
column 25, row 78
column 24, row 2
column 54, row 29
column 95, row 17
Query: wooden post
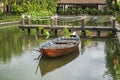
column 52, row 24
column 52, row 21
column 29, row 31
column 23, row 19
column 113, row 24
column 98, row 33
column 113, row 33
column 70, row 30
column 55, row 22
column 113, row 21
column 42, row 31
column 37, row 30
column 83, row 33
column 55, row 19
column 28, row 19
column 55, row 31
column 83, row 21
column 28, row 23
column 23, row 29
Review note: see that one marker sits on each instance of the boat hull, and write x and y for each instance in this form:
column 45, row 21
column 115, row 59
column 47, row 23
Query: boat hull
column 59, row 52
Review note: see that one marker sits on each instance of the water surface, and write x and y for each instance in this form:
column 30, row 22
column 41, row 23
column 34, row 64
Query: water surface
column 96, row 59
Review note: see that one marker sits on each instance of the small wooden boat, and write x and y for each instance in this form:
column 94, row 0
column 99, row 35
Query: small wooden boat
column 60, row 46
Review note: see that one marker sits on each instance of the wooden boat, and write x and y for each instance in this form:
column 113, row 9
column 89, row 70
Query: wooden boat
column 60, row 46
column 47, row 65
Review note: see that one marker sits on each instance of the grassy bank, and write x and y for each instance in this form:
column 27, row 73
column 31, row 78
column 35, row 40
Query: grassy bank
column 9, row 18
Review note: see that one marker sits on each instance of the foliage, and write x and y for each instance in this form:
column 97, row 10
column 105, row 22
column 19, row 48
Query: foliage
column 68, row 11
column 66, row 32
column 40, row 13
column 73, row 11
column 87, row 42
column 94, row 11
column 88, row 32
column 79, row 11
column 60, row 11
column 41, row 28
column 8, row 18
column 17, row 9
column 118, row 18
column 87, row 10
column 109, row 4
column 112, row 58
column 27, row 6
column 112, row 6
column 1, row 13
column 47, row 33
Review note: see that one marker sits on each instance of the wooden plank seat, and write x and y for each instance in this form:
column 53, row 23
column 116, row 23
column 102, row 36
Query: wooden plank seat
column 58, row 46
column 66, row 42
column 68, row 39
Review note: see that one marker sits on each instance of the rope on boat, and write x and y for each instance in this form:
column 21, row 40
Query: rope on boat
column 36, row 39
column 69, row 20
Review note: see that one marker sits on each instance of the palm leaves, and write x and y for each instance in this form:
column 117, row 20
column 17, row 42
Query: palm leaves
column 44, row 4
column 113, row 5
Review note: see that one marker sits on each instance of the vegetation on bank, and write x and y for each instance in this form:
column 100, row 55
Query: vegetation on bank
column 79, row 11
column 9, row 18
column 43, row 7
column 118, row 18
column 48, row 7
column 32, row 7
column 114, row 7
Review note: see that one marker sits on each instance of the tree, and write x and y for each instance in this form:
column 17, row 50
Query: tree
column 32, row 5
column 113, row 5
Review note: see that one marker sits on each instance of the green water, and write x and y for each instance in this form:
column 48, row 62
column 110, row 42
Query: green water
column 95, row 59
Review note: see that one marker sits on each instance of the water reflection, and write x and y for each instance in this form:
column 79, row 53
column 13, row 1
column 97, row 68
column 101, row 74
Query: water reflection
column 113, row 58
column 9, row 44
column 47, row 65
column 99, row 59
column 13, row 43
column 112, row 55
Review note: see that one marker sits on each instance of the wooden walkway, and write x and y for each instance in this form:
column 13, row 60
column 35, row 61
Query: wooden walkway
column 91, row 28
column 83, row 27
column 55, row 29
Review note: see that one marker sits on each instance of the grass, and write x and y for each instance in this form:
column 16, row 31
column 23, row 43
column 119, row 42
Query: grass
column 9, row 18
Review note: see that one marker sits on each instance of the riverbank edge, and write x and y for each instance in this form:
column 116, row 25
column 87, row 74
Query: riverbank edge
column 9, row 23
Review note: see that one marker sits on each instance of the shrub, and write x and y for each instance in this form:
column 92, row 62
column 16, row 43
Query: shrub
column 94, row 11
column 118, row 19
column 16, row 9
column 73, row 11
column 60, row 11
column 87, row 10
column 80, row 11
column 68, row 11
column 1, row 13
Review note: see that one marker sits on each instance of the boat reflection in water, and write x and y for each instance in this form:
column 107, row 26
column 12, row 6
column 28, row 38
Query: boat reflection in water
column 47, row 65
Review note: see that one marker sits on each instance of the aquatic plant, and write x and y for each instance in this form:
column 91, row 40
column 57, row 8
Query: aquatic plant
column 66, row 32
